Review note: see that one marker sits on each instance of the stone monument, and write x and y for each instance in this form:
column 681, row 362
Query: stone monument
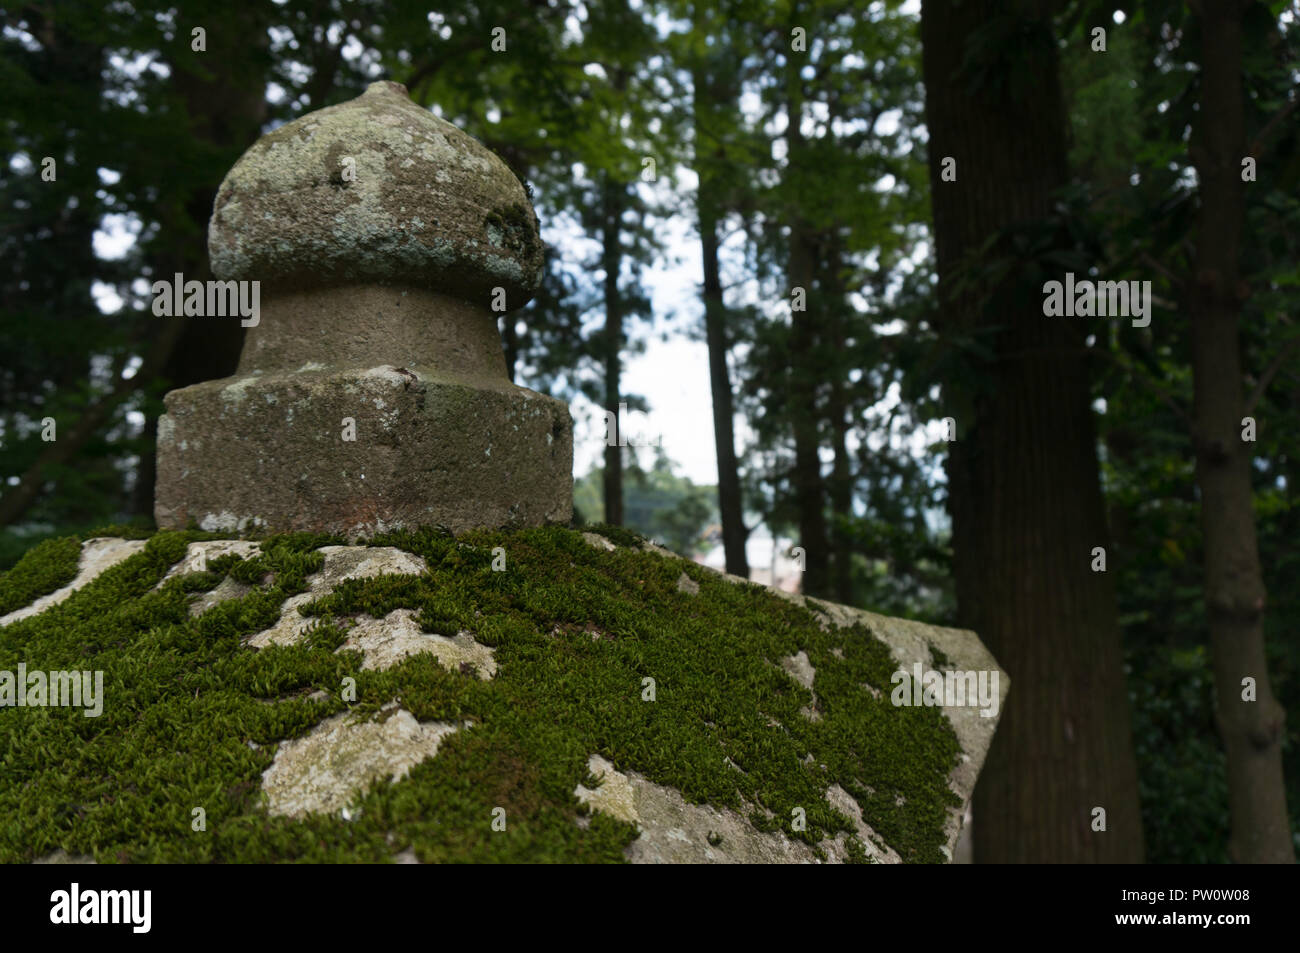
column 475, row 680
column 372, row 391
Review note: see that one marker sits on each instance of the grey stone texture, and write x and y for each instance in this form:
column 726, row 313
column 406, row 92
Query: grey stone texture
column 372, row 392
column 426, row 204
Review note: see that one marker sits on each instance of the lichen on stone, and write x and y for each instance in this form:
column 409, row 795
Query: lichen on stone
column 195, row 716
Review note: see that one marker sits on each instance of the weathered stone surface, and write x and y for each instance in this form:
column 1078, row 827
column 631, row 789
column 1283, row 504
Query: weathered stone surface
column 325, row 770
column 801, row 670
column 197, row 555
column 97, row 555
column 267, row 451
column 341, row 563
column 382, row 642
column 674, row 831
column 385, row 642
column 226, row 590
column 372, row 392
column 429, row 205
column 600, row 542
column 61, row 856
column 910, row 642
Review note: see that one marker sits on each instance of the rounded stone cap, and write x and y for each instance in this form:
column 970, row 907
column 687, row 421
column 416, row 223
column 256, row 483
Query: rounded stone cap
column 376, row 189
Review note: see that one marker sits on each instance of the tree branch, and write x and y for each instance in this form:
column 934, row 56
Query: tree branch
column 1173, row 279
column 18, row 500
column 1270, row 372
column 1168, row 399
column 1264, row 133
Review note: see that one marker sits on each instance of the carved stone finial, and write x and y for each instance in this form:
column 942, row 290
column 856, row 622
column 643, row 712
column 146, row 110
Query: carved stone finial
column 372, row 391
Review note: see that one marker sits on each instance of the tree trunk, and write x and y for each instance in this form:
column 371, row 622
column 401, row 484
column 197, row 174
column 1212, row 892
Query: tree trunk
column 808, row 485
column 1251, row 730
column 613, row 203
column 840, row 485
column 715, row 95
column 730, row 504
column 1024, row 489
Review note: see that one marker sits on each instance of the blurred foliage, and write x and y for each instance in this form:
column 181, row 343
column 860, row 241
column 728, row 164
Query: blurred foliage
column 658, row 504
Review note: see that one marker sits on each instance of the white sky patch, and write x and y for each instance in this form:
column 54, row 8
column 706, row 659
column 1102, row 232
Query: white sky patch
column 887, row 125
column 106, row 297
column 115, row 236
column 28, row 41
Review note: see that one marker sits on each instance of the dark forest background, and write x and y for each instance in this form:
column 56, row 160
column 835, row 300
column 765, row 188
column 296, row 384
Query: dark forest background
column 876, row 194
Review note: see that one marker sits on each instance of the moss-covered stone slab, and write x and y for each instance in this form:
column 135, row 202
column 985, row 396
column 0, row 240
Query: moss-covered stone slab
column 673, row 831
column 96, row 555
column 339, row 564
column 628, row 717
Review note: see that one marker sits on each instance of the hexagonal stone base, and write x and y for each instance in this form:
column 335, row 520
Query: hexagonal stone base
column 271, row 451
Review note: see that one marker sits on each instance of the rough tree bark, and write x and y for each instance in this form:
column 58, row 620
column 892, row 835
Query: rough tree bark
column 1252, row 730
column 714, row 94
column 1024, row 490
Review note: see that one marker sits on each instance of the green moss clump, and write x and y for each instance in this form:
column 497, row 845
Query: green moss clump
column 514, row 227
column 618, row 535
column 192, row 716
column 939, row 659
column 47, row 566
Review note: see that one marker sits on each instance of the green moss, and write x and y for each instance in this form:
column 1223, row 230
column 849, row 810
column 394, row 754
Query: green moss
column 575, row 632
column 938, row 658
column 47, row 566
column 618, row 535
column 514, row 227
